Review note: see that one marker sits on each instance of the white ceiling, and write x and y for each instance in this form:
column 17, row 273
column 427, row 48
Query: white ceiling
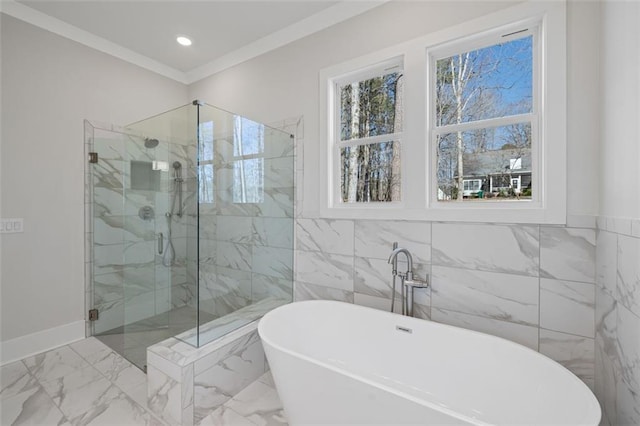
column 224, row 33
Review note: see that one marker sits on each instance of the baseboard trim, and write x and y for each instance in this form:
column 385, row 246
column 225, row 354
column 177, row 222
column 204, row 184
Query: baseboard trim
column 40, row 341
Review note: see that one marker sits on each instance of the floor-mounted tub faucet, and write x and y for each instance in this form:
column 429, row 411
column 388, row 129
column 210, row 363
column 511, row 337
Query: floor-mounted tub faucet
column 407, row 281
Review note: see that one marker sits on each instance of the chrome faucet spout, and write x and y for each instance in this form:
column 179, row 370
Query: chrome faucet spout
column 394, row 255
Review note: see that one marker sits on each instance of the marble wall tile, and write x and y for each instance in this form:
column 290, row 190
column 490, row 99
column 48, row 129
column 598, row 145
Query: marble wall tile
column 278, row 202
column 140, row 306
column 627, row 405
column 278, row 172
column 265, row 286
column 111, row 316
column 216, row 385
column 373, row 277
column 567, row 254
column 511, row 249
column 307, row 291
column 523, row 334
column 273, row 232
column 215, row 357
column 272, row 261
column 606, row 322
column 576, row 353
column 277, row 144
column 234, row 256
column 329, row 236
column 606, row 260
column 207, row 250
column 235, row 229
column 228, row 280
column 187, row 384
column 375, row 238
column 605, row 387
column 226, row 207
column 108, row 287
column 374, row 302
column 164, row 395
column 628, row 280
column 629, row 351
column 108, row 259
column 330, row 270
column 504, row 297
column 568, row 307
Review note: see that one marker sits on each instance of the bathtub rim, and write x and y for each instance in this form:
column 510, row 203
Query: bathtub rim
column 262, row 323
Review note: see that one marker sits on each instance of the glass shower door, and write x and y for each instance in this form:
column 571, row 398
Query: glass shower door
column 129, row 287
column 148, row 253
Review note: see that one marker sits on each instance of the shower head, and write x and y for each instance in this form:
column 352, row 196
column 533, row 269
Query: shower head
column 150, row 143
column 177, row 165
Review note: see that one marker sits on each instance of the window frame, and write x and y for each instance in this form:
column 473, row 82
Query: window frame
column 418, row 159
column 369, row 72
column 534, row 118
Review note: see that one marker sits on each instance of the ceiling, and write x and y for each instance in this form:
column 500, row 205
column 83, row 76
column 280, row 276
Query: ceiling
column 224, row 33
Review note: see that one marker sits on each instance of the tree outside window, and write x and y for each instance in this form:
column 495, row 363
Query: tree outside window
column 370, row 119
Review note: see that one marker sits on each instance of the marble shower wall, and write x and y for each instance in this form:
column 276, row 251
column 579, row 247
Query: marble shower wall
column 246, row 248
column 121, row 248
column 533, row 284
column 617, row 373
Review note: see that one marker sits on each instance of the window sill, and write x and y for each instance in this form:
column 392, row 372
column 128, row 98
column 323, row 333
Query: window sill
column 513, row 212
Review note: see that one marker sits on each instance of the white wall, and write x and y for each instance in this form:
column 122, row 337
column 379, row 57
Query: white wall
column 49, row 85
column 284, row 83
column 620, row 79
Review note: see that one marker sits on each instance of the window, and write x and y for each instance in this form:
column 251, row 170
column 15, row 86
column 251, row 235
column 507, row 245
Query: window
column 369, row 122
column 464, row 124
column 248, row 161
column 485, row 114
column 205, row 163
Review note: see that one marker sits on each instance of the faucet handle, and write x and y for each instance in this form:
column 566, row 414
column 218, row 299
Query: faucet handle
column 416, row 283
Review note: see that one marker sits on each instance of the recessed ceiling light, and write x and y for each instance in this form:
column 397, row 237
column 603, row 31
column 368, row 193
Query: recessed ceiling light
column 185, row 41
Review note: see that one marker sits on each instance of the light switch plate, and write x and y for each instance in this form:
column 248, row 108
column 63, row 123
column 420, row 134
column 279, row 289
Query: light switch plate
column 11, row 226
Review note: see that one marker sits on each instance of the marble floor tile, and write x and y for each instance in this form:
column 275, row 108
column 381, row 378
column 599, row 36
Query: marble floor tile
column 116, row 409
column 120, row 371
column 267, row 379
column 55, row 363
column 260, row 404
column 15, row 379
column 225, row 416
column 112, row 392
column 80, row 391
column 33, row 407
column 91, row 349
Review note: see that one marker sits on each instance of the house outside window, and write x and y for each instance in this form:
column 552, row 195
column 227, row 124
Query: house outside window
column 482, row 130
column 485, row 104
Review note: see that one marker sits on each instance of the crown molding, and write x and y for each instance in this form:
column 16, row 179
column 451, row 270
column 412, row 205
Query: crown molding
column 61, row 28
column 333, row 15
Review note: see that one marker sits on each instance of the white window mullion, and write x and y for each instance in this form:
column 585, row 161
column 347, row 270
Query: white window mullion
column 484, row 124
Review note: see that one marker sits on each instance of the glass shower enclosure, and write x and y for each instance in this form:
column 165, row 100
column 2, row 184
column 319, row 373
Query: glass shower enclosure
column 189, row 227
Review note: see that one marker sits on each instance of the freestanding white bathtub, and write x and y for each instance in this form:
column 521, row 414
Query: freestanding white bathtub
column 338, row 363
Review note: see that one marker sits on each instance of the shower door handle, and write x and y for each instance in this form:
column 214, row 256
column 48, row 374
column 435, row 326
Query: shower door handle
column 160, row 242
